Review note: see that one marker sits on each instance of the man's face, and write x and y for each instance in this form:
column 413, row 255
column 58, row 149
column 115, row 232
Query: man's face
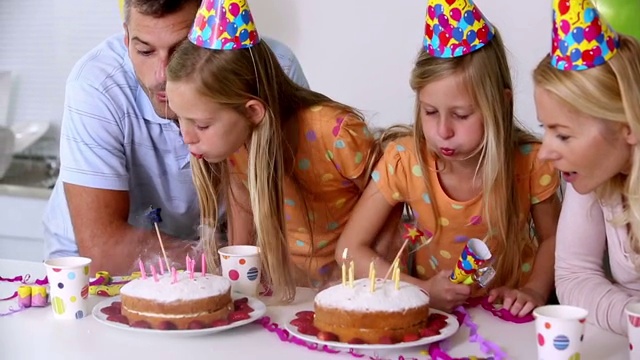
column 151, row 42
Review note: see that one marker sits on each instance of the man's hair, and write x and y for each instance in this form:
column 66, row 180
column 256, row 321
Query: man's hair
column 155, row 8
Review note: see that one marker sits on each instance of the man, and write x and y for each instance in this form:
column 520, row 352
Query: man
column 121, row 150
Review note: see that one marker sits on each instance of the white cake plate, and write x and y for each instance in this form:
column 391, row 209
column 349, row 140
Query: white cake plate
column 259, row 308
column 445, row 332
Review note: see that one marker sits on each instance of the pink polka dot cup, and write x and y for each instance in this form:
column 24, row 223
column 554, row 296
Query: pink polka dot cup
column 69, row 286
column 241, row 265
column 559, row 331
column 632, row 313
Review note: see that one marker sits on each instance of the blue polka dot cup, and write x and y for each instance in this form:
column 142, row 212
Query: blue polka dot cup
column 632, row 313
column 241, row 265
column 69, row 286
column 559, row 331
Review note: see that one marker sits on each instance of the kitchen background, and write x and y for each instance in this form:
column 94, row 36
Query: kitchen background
column 357, row 51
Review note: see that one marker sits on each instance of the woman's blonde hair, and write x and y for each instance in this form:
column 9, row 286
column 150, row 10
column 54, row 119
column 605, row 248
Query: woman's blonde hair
column 610, row 92
column 232, row 78
column 487, row 74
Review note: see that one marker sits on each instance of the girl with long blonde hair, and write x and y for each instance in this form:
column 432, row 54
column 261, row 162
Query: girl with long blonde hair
column 466, row 170
column 289, row 162
column 590, row 109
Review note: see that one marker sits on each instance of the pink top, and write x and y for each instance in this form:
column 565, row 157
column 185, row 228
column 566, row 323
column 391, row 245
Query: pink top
column 584, row 235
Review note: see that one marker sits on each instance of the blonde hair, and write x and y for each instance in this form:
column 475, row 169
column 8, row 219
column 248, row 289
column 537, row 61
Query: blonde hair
column 232, row 78
column 488, row 77
column 610, row 92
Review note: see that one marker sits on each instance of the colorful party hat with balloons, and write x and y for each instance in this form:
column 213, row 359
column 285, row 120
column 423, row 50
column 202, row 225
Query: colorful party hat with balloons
column 224, row 25
column 455, row 28
column 582, row 39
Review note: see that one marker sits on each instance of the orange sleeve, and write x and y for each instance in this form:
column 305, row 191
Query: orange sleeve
column 544, row 179
column 391, row 174
column 351, row 146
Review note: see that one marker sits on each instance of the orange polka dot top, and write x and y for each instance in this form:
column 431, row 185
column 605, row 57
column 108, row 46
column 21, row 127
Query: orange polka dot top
column 400, row 178
column 330, row 166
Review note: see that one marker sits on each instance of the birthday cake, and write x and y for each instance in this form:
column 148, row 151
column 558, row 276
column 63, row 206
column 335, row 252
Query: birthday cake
column 355, row 314
column 177, row 303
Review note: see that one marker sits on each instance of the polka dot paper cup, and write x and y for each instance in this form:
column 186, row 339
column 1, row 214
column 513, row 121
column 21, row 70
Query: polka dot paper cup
column 632, row 311
column 241, row 265
column 69, row 286
column 559, row 331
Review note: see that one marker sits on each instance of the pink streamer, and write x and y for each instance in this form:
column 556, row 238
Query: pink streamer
column 15, row 295
column 15, row 279
column 500, row 313
column 12, row 311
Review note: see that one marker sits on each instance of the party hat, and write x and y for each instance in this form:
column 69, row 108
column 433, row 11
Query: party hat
column 582, row 39
column 455, row 28
column 224, row 25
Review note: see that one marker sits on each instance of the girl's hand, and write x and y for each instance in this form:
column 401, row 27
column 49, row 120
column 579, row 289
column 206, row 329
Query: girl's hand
column 445, row 295
column 519, row 302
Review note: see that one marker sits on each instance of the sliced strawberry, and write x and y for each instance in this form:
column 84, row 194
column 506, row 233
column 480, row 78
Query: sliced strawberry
column 244, row 308
column 437, row 324
column 238, row 315
column 196, row 325
column 167, row 325
column 306, row 314
column 141, row 324
column 116, row 304
column 308, row 330
column 428, row 332
column 238, row 302
column 111, row 310
column 327, row 336
column 220, row 322
column 119, row 318
column 410, row 337
column 297, row 322
column 437, row 316
column 386, row 340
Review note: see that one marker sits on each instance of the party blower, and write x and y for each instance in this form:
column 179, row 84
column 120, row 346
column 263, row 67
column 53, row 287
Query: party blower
column 471, row 267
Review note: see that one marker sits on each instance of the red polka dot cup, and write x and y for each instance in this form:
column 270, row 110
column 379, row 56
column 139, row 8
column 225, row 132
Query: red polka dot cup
column 632, row 313
column 69, row 286
column 241, row 265
column 559, row 331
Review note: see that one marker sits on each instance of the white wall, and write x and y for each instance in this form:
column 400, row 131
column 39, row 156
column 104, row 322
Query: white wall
column 357, row 51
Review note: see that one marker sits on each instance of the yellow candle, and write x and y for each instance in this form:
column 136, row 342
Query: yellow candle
column 344, row 266
column 371, row 270
column 351, row 270
column 397, row 277
column 344, row 274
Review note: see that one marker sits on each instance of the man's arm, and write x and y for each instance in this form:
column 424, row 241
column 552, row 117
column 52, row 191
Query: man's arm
column 99, row 219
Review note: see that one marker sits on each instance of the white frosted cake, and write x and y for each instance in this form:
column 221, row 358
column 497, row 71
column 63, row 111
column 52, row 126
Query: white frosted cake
column 186, row 303
column 359, row 315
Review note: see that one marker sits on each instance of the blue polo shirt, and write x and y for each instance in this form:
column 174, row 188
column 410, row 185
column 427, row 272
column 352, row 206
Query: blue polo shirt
column 111, row 138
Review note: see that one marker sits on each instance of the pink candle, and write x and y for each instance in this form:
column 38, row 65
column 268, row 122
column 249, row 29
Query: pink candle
column 204, row 265
column 187, row 263
column 161, row 266
column 174, row 275
column 192, row 268
column 154, row 273
column 143, row 272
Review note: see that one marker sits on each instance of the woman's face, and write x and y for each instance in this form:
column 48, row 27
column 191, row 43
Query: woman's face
column 587, row 150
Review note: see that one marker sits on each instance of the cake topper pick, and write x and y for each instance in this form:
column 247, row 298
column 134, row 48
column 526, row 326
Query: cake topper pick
column 412, row 235
column 153, row 214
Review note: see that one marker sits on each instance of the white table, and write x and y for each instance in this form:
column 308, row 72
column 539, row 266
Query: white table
column 35, row 334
